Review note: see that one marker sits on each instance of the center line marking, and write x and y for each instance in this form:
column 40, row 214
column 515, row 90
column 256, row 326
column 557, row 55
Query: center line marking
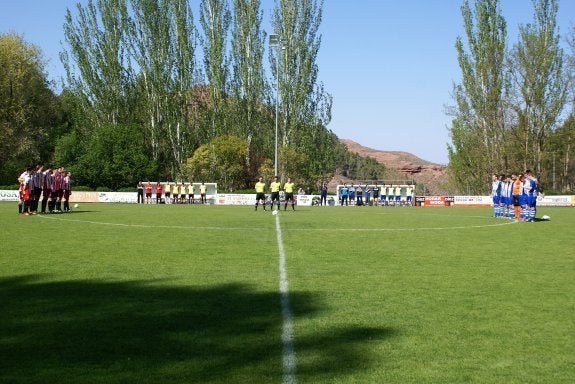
column 288, row 353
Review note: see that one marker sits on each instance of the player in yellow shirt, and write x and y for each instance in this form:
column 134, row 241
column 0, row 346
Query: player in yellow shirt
column 175, row 193
column 260, row 195
column 191, row 190
column 288, row 189
column 167, row 192
column 275, row 190
column 203, row 193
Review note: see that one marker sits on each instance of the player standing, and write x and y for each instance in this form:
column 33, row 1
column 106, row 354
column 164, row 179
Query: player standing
column 203, row 193
column 288, row 188
column 375, row 195
column 191, row 193
column 158, row 192
column 409, row 195
column 275, row 190
column 148, row 193
column 496, row 195
column 260, row 195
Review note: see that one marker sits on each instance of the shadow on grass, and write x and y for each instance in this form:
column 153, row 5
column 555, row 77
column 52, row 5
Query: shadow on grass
column 142, row 332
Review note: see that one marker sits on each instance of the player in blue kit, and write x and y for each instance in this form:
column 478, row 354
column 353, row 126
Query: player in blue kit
column 531, row 190
column 496, row 186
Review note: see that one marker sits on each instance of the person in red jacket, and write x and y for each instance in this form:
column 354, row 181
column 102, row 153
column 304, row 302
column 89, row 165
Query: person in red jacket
column 159, row 190
column 148, row 188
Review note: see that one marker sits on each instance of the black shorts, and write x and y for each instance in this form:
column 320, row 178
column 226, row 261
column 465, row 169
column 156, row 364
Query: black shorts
column 289, row 196
column 260, row 196
column 275, row 196
column 149, row 194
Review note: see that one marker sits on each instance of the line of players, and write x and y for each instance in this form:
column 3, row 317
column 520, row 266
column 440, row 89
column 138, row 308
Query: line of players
column 44, row 188
column 515, row 196
column 275, row 187
column 386, row 196
column 174, row 193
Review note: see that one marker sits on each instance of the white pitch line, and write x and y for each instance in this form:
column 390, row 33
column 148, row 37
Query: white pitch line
column 291, row 229
column 145, row 225
column 288, row 353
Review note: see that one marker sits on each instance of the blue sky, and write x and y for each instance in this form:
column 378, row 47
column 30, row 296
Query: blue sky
column 390, row 65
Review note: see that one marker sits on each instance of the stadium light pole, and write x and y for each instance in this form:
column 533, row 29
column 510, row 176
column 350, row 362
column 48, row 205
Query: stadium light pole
column 274, row 43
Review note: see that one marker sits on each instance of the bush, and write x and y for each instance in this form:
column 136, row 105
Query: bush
column 10, row 187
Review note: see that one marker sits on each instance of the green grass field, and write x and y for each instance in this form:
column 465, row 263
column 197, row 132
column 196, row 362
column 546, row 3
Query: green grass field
column 191, row 294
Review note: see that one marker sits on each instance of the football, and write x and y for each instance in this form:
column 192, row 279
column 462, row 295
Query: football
column 545, row 217
column 274, row 212
column 76, row 205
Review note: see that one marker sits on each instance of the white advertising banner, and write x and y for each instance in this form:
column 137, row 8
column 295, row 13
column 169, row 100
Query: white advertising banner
column 554, row 201
column 6, row 195
column 473, row 201
column 304, row 200
column 236, row 199
column 117, row 197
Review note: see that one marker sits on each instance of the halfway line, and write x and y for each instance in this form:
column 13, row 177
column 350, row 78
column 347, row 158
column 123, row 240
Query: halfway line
column 288, row 354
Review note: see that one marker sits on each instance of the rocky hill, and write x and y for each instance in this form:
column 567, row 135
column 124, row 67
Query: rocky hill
column 406, row 166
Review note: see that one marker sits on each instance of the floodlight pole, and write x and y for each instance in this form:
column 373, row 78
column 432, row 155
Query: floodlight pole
column 274, row 43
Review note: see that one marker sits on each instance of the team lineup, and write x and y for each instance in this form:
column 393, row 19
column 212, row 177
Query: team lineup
column 515, row 196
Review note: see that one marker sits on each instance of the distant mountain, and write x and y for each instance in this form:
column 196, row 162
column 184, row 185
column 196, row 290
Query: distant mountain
column 406, row 166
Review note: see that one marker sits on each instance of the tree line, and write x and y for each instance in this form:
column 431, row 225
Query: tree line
column 151, row 94
column 514, row 108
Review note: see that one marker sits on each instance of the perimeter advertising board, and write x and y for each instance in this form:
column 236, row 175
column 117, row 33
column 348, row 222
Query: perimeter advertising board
column 555, row 201
column 473, row 201
column 302, row 200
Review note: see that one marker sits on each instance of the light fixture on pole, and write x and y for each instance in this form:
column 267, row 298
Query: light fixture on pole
column 274, row 43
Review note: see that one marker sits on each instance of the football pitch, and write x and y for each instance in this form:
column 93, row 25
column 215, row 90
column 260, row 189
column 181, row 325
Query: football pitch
column 125, row 293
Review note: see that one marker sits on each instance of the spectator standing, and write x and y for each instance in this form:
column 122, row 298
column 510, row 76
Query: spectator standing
column 323, row 194
column 140, row 188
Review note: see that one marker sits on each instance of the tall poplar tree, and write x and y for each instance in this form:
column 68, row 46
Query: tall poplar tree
column 96, row 62
column 215, row 19
column 163, row 45
column 541, row 83
column 248, row 84
column 305, row 106
column 479, row 124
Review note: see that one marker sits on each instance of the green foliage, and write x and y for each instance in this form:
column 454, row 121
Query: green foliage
column 114, row 158
column 28, row 107
column 509, row 103
column 542, row 85
column 478, row 129
column 222, row 160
